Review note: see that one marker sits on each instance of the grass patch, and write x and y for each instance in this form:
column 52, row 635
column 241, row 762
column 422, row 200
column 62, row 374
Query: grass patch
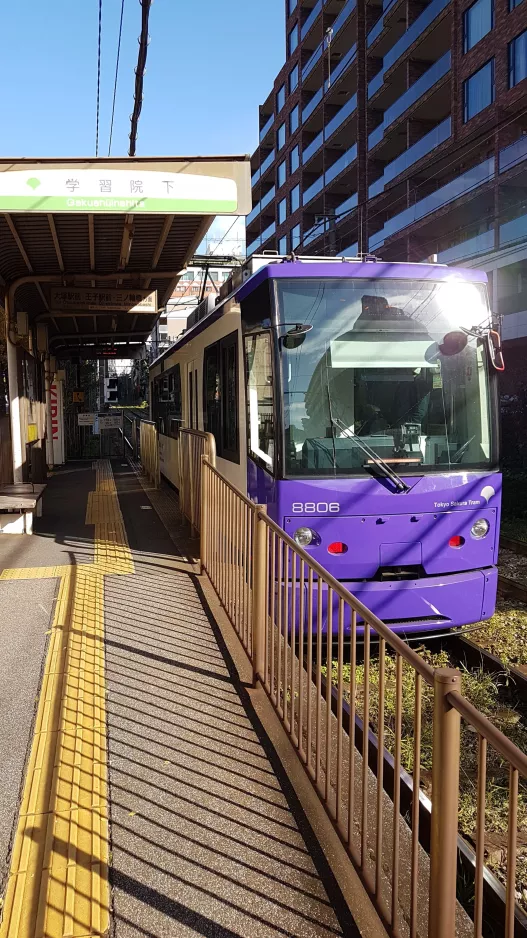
column 483, row 691
column 505, row 634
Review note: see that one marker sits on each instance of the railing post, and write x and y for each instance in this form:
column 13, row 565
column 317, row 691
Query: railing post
column 204, row 522
column 259, row 605
column 445, row 801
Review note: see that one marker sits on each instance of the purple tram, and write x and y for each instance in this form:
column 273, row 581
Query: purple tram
column 358, row 400
column 372, row 429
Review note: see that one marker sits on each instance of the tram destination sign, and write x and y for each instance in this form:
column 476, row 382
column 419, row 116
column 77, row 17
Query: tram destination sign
column 83, row 299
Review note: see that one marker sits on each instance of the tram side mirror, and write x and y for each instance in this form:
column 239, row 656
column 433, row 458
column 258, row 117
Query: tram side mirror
column 453, row 343
column 495, row 350
column 295, row 337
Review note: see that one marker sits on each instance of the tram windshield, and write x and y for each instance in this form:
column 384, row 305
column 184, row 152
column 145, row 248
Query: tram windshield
column 385, row 364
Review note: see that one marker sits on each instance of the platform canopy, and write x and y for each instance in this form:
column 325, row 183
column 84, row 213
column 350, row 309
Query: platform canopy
column 93, row 248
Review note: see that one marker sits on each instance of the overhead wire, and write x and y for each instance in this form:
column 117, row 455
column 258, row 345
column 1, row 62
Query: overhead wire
column 225, row 235
column 116, row 77
column 98, row 81
column 139, row 74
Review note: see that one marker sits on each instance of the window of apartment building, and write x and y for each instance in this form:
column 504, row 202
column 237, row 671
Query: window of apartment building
column 294, row 159
column 282, row 245
column 280, row 137
column 478, row 20
column 518, row 59
column 280, row 99
column 295, row 199
column 282, row 211
column 291, row 6
column 281, row 174
column 478, row 91
column 295, row 237
column 293, row 79
column 294, row 119
column 513, row 4
column 292, row 39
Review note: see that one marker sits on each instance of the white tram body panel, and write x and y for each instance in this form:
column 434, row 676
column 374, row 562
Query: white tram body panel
column 189, row 355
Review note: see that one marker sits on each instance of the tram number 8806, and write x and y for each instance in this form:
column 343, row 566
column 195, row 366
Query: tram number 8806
column 316, row 508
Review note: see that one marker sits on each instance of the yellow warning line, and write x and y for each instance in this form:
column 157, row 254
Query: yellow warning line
column 58, row 883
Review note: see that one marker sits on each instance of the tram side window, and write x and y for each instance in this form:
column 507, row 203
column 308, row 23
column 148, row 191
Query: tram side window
column 167, row 407
column 260, row 404
column 220, row 391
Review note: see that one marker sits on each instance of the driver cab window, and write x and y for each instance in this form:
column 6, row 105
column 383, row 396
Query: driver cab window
column 260, row 405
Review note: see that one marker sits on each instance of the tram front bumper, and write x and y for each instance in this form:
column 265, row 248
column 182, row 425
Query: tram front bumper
column 428, row 603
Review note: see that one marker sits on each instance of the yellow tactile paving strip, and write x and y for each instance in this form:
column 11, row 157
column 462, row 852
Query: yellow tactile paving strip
column 58, row 883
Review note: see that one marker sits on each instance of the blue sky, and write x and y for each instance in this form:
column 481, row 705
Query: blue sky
column 210, row 63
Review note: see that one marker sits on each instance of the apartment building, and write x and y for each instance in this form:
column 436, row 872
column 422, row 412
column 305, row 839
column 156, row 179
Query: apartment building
column 186, row 295
column 400, row 129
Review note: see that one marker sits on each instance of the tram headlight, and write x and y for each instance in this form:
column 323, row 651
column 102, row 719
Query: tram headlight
column 480, row 528
column 304, row 536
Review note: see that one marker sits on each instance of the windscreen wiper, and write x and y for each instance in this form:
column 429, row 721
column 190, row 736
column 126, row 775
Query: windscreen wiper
column 399, row 483
column 462, row 449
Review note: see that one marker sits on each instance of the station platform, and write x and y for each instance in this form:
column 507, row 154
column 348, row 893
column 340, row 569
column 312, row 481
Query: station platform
column 140, row 793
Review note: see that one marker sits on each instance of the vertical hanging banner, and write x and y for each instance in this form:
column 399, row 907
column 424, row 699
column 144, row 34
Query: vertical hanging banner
column 57, row 421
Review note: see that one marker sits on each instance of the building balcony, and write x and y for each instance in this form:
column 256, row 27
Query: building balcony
column 311, row 20
column 313, row 148
column 513, row 231
column 480, row 244
column 313, row 190
column 350, row 251
column 312, row 61
column 261, row 205
column 412, row 155
column 427, row 17
column 427, row 81
column 461, row 186
column 340, row 69
column 338, row 167
column 324, row 225
column 346, row 111
column 312, row 104
column 338, row 24
column 512, row 155
column 343, row 17
column 258, row 242
column 341, row 164
column 266, row 128
column 347, row 206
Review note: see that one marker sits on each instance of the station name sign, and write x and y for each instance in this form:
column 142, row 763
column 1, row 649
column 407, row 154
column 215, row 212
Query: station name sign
column 81, row 299
column 105, row 189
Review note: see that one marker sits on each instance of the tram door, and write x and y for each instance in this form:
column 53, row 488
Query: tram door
column 192, row 396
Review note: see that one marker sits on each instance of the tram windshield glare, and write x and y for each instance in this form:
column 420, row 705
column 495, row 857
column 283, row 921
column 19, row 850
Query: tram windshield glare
column 386, row 361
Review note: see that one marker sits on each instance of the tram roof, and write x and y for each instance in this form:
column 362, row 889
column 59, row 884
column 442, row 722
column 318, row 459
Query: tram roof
column 94, row 247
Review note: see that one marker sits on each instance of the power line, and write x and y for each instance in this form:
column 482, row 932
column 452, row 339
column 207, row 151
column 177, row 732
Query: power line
column 139, row 74
column 116, row 76
column 98, row 81
column 225, row 235
column 485, row 137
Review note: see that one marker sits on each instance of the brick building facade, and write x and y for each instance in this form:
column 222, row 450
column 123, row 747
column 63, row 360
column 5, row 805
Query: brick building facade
column 400, row 129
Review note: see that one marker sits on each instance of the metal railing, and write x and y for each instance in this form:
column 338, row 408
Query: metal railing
column 357, row 704
column 149, row 445
column 193, row 444
column 131, row 433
